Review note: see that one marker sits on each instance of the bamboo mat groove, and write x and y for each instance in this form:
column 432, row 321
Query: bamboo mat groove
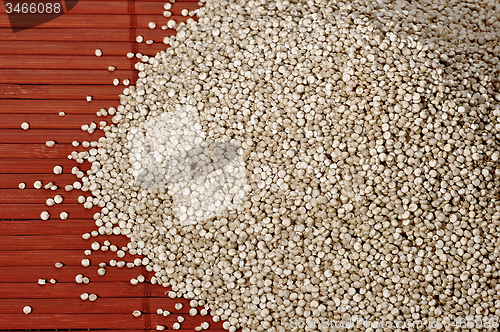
column 43, row 71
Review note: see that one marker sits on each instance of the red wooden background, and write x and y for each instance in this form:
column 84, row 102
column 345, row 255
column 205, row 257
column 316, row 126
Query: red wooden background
column 43, row 71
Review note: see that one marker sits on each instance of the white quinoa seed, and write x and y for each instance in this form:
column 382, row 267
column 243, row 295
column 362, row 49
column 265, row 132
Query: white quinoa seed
column 58, row 199
column 58, row 170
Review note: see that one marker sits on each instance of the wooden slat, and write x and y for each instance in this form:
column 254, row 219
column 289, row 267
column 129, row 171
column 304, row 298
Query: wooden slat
column 39, row 166
column 53, row 76
column 97, row 36
column 121, row 7
column 36, row 134
column 32, row 211
column 48, row 227
column 66, row 274
column 39, row 196
column 66, row 241
column 93, row 321
column 40, row 258
column 146, row 8
column 77, row 306
column 34, row 151
column 60, row 290
column 11, row 181
column 142, row 1
column 76, row 48
column 66, row 321
column 88, row 62
column 55, row 106
column 142, row 330
column 46, row 242
column 70, row 290
column 48, row 257
column 50, row 121
column 60, row 92
column 73, row 21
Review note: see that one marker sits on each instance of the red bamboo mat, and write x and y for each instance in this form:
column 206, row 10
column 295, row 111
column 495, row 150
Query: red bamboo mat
column 43, row 71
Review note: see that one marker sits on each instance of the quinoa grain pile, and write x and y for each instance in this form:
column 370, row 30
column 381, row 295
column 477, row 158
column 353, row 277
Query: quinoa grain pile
column 364, row 172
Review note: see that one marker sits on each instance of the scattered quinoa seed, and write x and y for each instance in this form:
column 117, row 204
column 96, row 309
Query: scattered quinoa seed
column 58, row 170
